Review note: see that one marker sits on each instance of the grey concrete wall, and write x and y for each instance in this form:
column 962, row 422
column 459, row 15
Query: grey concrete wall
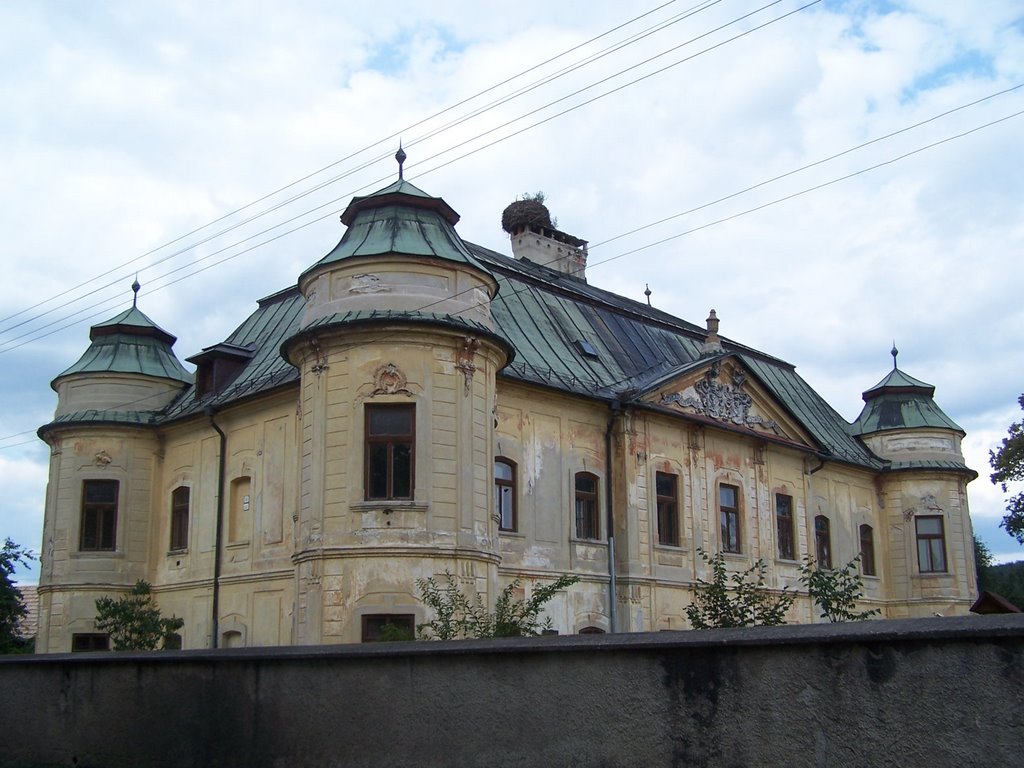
column 928, row 692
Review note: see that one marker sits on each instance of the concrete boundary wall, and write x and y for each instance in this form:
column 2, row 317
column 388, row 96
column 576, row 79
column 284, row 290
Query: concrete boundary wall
column 925, row 692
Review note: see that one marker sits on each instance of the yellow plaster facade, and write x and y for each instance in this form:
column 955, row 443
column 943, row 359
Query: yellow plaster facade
column 285, row 540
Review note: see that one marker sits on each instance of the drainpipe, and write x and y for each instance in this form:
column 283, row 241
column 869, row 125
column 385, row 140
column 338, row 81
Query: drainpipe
column 616, row 408
column 215, row 633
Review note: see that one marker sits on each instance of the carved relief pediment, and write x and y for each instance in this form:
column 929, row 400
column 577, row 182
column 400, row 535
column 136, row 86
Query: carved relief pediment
column 724, row 392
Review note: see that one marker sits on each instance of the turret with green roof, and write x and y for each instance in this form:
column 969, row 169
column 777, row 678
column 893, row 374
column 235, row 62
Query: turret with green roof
column 128, row 371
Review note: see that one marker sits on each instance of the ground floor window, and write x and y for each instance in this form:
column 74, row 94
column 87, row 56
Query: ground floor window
column 381, row 627
column 83, row 642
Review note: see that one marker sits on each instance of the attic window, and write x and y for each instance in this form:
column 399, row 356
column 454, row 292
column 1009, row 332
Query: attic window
column 218, row 366
column 587, row 348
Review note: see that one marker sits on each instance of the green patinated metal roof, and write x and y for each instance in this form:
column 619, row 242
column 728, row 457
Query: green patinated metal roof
column 400, row 219
column 562, row 333
column 133, row 321
column 130, row 343
column 899, row 401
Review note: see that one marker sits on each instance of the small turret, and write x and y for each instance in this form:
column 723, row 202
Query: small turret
column 129, row 367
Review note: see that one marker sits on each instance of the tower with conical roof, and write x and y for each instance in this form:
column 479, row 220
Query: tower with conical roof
column 104, row 455
column 398, row 358
column 923, row 493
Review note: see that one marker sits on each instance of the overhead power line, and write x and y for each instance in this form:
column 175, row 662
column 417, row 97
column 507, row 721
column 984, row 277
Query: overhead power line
column 34, row 333
column 699, row 7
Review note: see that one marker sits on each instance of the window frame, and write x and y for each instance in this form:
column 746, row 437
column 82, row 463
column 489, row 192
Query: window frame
column 180, row 518
column 390, row 441
column 868, row 565
column 500, row 484
column 727, row 515
column 785, row 527
column 925, row 538
column 587, row 507
column 823, row 541
column 667, row 506
column 90, row 642
column 103, row 514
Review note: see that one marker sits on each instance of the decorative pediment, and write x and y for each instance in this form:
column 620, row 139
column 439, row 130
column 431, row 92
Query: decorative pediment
column 723, row 391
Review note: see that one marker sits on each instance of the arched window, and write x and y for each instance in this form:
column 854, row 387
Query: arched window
column 505, row 494
column 729, row 512
column 867, row 551
column 822, row 542
column 587, row 522
column 666, row 488
column 179, row 518
column 784, row 526
column 591, row 631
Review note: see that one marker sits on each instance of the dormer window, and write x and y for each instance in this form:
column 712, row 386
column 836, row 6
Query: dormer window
column 218, row 366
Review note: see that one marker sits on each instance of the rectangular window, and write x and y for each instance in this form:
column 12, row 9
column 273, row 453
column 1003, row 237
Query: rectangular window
column 729, row 511
column 931, row 544
column 587, row 524
column 505, row 494
column 179, row 518
column 99, row 515
column 83, row 642
column 666, row 490
column 784, row 526
column 390, row 440
column 867, row 551
column 381, row 627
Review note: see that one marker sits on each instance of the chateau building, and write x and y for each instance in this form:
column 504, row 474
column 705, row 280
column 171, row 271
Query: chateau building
column 417, row 405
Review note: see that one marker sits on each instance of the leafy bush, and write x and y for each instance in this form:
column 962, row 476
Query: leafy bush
column 134, row 622
column 739, row 600
column 836, row 591
column 457, row 617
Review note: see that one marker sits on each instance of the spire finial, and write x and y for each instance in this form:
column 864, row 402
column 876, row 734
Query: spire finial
column 135, row 291
column 400, row 157
column 647, row 293
column 894, row 352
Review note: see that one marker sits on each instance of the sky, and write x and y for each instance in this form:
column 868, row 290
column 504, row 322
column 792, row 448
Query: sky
column 830, row 178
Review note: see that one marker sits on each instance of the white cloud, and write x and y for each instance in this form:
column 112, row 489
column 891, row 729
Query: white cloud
column 127, row 125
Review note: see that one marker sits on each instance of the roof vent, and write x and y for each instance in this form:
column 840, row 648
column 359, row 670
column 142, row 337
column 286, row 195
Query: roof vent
column 587, row 348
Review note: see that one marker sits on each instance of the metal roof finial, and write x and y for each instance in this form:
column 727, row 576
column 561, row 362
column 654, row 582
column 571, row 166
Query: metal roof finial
column 135, row 291
column 894, row 352
column 400, row 157
column 647, row 293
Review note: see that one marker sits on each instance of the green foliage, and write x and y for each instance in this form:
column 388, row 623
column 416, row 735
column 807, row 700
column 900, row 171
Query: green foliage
column 836, row 590
column 134, row 622
column 1008, row 465
column 391, row 632
column 1006, row 580
column 12, row 607
column 458, row 617
column 739, row 600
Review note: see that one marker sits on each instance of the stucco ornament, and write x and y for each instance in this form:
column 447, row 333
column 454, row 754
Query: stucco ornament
column 467, row 351
column 102, row 459
column 927, row 506
column 389, row 380
column 722, row 401
column 367, row 284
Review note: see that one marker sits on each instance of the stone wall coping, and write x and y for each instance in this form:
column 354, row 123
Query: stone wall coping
column 960, row 628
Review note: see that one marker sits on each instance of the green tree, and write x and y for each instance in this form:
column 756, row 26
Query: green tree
column 737, row 600
column 133, row 621
column 12, row 606
column 458, row 617
column 836, row 591
column 1008, row 465
column 982, row 563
